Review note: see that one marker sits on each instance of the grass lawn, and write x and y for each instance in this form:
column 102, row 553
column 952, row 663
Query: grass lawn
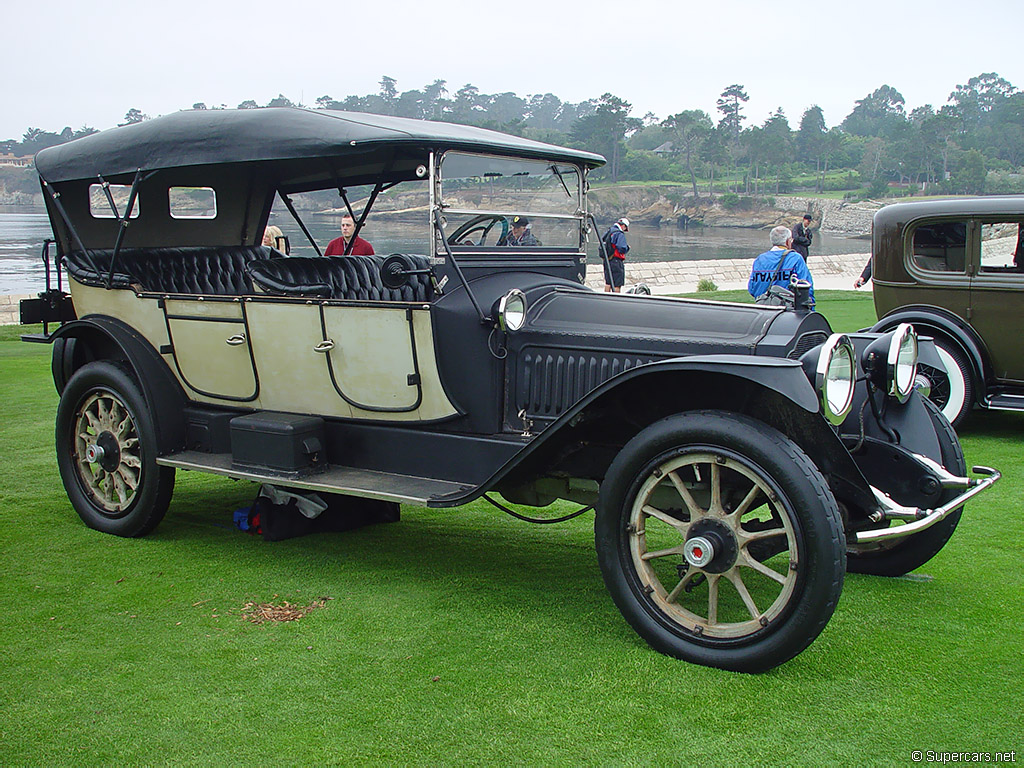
column 460, row 636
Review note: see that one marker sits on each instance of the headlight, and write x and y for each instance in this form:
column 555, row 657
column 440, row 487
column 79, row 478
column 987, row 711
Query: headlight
column 834, row 377
column 511, row 310
column 901, row 363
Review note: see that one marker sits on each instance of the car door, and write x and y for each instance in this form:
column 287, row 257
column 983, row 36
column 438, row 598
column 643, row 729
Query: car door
column 997, row 295
column 210, row 346
column 937, row 259
column 361, row 360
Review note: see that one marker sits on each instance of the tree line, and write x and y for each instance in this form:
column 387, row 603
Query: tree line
column 972, row 144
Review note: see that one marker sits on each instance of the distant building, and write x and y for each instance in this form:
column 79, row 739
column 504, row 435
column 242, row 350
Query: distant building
column 664, row 149
column 13, row 161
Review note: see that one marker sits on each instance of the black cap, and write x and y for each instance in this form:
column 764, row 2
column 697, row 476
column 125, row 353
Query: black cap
column 807, row 216
column 520, row 221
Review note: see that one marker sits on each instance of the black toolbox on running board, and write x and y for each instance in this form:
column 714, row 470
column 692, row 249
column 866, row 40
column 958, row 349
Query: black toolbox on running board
column 282, row 443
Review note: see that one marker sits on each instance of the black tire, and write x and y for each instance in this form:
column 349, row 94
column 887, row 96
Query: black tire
column 103, row 408
column 953, row 384
column 806, row 552
column 902, row 556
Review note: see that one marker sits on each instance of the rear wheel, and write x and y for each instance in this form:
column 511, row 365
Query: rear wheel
column 720, row 542
column 106, row 452
column 952, row 386
column 899, row 556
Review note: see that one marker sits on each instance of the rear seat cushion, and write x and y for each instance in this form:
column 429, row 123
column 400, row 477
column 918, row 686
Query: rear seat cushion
column 216, row 271
column 338, row 277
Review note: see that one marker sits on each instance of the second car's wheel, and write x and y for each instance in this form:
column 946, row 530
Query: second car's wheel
column 952, row 386
column 899, row 556
column 720, row 541
column 106, row 452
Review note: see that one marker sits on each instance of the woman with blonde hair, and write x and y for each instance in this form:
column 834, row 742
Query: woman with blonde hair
column 273, row 237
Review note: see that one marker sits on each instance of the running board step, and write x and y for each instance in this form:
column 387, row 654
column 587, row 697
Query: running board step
column 1005, row 402
column 367, row 483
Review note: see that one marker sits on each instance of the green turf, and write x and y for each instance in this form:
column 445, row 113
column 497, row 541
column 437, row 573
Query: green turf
column 846, row 310
column 457, row 637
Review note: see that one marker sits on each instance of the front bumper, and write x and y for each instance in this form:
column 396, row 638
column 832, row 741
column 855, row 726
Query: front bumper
column 921, row 519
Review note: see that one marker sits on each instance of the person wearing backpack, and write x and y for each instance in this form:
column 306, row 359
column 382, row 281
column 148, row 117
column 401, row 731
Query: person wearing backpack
column 615, row 247
column 777, row 265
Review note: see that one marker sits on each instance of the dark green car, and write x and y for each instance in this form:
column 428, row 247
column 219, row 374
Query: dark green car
column 955, row 270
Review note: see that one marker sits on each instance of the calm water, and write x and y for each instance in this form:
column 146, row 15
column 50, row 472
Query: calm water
column 22, row 231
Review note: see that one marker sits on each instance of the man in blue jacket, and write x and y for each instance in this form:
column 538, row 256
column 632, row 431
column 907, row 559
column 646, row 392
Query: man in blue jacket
column 776, row 266
column 616, row 248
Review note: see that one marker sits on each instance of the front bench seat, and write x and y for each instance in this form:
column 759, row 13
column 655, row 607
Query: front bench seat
column 204, row 270
column 338, row 277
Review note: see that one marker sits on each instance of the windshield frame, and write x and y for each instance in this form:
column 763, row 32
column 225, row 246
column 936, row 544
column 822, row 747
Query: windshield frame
column 437, row 204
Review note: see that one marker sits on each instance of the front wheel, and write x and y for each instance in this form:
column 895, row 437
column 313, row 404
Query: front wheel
column 896, row 557
column 106, row 452
column 720, row 541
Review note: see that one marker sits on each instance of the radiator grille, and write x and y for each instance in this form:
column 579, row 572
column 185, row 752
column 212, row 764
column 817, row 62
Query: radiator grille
column 806, row 342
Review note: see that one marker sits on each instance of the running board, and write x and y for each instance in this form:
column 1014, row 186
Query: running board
column 1005, row 402
column 367, row 483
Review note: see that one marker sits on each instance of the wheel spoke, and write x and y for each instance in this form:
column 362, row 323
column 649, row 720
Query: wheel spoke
column 102, row 411
column 713, row 598
column 737, row 581
column 683, row 582
column 747, row 502
column 684, row 493
column 746, row 537
column 716, row 488
column 107, row 485
column 761, row 568
column 662, row 553
column 119, row 488
column 130, row 479
column 93, row 421
column 663, row 516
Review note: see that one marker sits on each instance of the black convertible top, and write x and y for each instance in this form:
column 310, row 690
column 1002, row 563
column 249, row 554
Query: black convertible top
column 229, row 136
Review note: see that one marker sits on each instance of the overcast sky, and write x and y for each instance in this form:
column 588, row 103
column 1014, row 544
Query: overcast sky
column 75, row 63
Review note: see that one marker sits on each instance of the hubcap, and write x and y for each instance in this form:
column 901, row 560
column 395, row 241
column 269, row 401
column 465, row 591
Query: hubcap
column 699, row 551
column 713, row 545
column 106, row 452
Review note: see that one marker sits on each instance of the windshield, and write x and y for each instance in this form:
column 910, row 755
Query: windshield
column 484, row 197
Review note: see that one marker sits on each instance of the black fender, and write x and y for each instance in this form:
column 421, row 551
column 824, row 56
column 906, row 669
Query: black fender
column 98, row 337
column 938, row 322
column 773, row 390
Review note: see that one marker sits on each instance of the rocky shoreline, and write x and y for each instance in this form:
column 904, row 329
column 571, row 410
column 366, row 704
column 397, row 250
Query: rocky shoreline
column 666, row 205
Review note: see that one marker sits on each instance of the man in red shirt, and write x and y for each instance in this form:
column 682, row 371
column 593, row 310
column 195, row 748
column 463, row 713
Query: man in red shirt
column 338, row 245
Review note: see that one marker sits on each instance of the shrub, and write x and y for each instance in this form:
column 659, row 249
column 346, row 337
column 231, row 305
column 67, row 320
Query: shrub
column 704, row 285
column 998, row 183
column 729, row 200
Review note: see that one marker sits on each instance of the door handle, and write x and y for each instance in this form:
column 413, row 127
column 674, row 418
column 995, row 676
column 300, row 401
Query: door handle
column 234, row 341
column 324, row 346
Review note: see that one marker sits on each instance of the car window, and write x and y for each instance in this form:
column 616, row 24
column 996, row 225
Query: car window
column 940, row 246
column 1002, row 247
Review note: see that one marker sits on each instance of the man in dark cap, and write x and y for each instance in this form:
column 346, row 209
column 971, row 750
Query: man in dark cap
column 520, row 234
column 802, row 236
column 615, row 246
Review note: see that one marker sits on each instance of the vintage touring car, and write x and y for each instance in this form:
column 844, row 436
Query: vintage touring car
column 955, row 270
column 740, row 458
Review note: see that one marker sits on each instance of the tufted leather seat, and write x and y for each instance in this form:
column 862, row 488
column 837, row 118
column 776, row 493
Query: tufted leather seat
column 338, row 277
column 211, row 271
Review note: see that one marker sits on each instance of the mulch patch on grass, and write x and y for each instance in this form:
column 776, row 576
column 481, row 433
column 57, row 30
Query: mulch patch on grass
column 258, row 613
